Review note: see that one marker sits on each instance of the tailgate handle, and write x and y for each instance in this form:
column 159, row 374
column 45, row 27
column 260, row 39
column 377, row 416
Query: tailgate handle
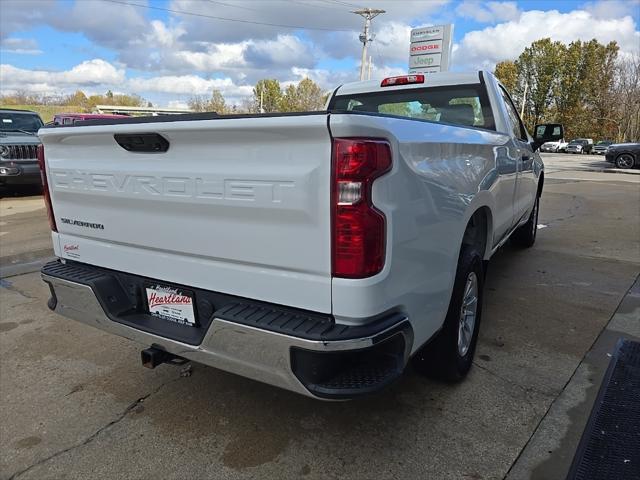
column 142, row 142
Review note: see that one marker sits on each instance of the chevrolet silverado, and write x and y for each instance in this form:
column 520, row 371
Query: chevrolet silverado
column 316, row 251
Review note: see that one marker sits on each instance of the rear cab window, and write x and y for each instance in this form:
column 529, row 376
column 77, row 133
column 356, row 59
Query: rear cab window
column 463, row 105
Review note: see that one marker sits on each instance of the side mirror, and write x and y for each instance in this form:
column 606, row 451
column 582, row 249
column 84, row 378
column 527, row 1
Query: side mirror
column 547, row 132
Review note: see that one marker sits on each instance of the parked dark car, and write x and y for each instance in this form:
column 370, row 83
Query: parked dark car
column 580, row 145
column 18, row 147
column 600, row 148
column 624, row 155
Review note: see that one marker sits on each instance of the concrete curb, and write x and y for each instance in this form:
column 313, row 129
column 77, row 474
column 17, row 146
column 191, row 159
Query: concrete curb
column 594, row 170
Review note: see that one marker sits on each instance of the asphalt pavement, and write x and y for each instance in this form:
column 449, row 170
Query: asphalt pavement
column 76, row 403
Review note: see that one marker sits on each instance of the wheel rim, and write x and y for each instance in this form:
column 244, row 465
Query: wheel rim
column 468, row 313
column 625, row 161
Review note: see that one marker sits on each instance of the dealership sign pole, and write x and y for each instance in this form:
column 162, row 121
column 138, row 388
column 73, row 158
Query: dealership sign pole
column 430, row 49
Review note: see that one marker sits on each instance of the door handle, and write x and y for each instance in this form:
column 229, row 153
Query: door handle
column 142, row 142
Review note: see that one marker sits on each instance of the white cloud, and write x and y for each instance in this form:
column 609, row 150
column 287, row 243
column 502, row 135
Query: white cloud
column 484, row 48
column 488, row 12
column 20, row 15
column 188, row 84
column 185, row 55
column 612, row 8
column 86, row 74
column 107, row 24
column 283, row 50
column 24, row 46
column 164, row 36
column 98, row 75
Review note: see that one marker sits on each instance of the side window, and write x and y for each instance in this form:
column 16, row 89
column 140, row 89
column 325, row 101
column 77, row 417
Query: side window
column 67, row 121
column 514, row 118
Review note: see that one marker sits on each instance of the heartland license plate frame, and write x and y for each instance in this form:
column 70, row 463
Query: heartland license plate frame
column 179, row 313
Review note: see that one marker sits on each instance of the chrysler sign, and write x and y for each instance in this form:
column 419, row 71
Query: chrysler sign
column 430, row 49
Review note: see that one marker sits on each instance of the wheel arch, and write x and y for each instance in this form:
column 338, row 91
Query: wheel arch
column 479, row 230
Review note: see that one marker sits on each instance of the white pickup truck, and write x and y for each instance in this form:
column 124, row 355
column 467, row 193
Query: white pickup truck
column 314, row 251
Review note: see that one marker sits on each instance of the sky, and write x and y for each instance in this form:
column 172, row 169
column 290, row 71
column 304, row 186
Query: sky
column 170, row 50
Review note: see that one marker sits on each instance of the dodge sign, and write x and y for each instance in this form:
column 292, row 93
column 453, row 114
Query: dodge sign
column 430, row 49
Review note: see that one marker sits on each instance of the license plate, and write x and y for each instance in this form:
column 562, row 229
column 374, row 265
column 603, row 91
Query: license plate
column 171, row 304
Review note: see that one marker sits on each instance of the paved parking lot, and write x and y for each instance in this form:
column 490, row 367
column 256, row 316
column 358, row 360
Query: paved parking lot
column 76, row 403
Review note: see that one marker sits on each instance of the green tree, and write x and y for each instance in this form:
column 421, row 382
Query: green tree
column 507, row 73
column 539, row 64
column 289, row 101
column 310, row 96
column 217, row 103
column 78, row 99
column 267, row 95
column 577, row 84
column 198, row 103
column 626, row 92
column 307, row 96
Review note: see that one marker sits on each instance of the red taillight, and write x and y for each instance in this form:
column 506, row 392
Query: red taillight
column 45, row 188
column 403, row 80
column 358, row 227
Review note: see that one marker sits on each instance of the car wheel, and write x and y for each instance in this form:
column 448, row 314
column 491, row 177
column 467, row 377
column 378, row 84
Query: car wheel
column 449, row 355
column 525, row 235
column 625, row 160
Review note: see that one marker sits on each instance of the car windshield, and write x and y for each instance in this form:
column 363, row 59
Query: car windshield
column 465, row 105
column 604, row 143
column 16, row 122
column 578, row 142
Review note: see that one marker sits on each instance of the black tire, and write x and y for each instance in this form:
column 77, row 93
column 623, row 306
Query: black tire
column 441, row 357
column 625, row 160
column 525, row 235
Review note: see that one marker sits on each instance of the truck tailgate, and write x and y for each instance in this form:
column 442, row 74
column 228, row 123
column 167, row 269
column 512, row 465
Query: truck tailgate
column 236, row 205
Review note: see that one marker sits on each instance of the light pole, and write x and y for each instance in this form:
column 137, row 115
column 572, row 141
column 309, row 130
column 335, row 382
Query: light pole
column 368, row 14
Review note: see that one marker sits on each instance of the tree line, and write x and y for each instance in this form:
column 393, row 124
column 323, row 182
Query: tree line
column 78, row 99
column 587, row 86
column 268, row 97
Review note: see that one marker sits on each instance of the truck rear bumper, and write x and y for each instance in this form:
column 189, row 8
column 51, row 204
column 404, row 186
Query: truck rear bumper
column 340, row 362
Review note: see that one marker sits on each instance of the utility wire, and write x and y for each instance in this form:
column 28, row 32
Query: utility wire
column 316, row 5
column 214, row 17
column 224, row 4
column 338, row 2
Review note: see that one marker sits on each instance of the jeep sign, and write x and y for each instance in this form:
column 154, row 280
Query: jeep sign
column 430, row 49
column 419, row 61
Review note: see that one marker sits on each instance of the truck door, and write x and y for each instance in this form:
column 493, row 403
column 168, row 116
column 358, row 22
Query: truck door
column 526, row 182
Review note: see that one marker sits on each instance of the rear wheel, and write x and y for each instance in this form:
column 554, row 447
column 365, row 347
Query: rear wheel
column 625, row 160
column 525, row 235
column 448, row 356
